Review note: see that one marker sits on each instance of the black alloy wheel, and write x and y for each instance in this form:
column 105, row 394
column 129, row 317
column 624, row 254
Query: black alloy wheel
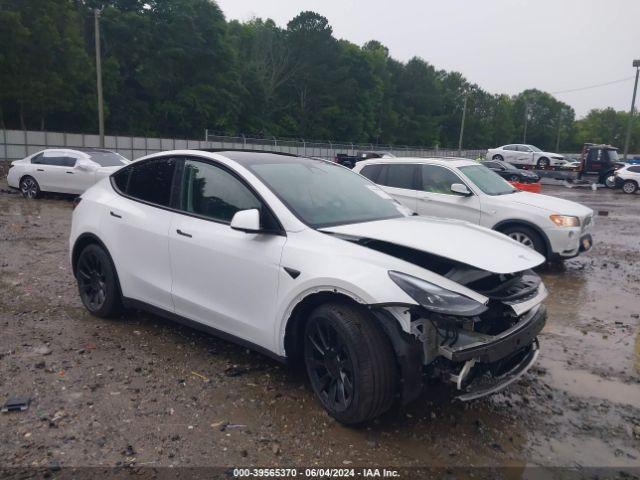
column 329, row 365
column 98, row 282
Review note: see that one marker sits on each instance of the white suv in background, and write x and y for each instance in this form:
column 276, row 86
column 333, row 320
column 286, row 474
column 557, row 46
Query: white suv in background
column 528, row 155
column 628, row 178
column 465, row 190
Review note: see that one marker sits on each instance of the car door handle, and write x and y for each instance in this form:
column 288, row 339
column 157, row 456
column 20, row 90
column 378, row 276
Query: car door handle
column 184, row 234
column 70, row 173
column 39, row 169
column 115, row 215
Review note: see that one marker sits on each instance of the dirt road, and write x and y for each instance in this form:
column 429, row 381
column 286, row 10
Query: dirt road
column 142, row 391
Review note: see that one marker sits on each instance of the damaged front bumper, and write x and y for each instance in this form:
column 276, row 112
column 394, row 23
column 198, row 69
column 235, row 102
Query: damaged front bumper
column 480, row 355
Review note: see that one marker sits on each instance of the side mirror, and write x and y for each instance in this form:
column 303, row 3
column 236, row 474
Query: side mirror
column 460, row 188
column 247, row 221
column 86, row 166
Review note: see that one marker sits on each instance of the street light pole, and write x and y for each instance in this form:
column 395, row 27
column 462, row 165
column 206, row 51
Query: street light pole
column 636, row 63
column 96, row 18
column 464, row 115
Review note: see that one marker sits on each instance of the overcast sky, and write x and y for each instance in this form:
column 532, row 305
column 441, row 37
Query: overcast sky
column 505, row 46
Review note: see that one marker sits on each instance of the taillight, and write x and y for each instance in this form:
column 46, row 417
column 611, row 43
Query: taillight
column 76, row 201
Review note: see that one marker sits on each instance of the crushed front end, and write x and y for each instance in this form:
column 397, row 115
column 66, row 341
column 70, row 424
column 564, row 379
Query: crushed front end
column 477, row 348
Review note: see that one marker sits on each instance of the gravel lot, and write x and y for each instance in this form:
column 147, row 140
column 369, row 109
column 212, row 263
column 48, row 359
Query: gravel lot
column 141, row 391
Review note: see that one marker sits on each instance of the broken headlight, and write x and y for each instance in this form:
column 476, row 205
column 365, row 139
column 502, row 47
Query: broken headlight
column 435, row 298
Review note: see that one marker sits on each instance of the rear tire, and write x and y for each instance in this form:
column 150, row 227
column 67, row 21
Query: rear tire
column 610, row 181
column 630, row 187
column 527, row 236
column 98, row 282
column 29, row 187
column 350, row 363
column 498, row 157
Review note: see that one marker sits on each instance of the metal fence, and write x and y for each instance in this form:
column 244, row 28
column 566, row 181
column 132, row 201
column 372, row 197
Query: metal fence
column 328, row 149
column 16, row 144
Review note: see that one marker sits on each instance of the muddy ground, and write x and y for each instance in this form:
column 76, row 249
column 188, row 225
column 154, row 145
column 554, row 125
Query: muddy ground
column 145, row 392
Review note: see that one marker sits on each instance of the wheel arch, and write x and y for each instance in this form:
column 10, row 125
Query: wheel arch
column 407, row 350
column 296, row 319
column 83, row 241
column 519, row 222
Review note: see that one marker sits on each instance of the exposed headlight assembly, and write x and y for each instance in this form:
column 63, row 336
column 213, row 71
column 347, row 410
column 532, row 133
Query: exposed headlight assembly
column 437, row 299
column 565, row 220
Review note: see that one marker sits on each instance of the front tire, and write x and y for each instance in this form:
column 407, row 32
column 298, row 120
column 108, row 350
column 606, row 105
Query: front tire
column 29, row 187
column 630, row 187
column 98, row 282
column 543, row 162
column 350, row 362
column 527, row 236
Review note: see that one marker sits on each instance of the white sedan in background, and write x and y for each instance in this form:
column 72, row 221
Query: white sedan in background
column 528, row 155
column 62, row 170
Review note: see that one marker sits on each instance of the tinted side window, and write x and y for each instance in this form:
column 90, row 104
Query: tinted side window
column 634, row 169
column 121, row 179
column 397, row 176
column 151, row 181
column 214, row 193
column 523, row 148
column 492, row 165
column 436, row 179
column 60, row 161
column 371, row 172
column 509, row 147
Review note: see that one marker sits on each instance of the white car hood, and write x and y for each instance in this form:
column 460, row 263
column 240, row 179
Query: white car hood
column 549, row 203
column 453, row 239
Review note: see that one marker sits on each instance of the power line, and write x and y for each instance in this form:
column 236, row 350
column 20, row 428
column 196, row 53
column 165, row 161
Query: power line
column 593, row 86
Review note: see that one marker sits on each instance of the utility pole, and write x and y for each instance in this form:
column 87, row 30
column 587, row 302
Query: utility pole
column 464, row 115
column 559, row 128
column 96, row 18
column 636, row 63
column 526, row 119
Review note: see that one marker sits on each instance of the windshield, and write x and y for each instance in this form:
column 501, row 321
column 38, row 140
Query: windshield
column 509, row 166
column 613, row 156
column 322, row 194
column 107, row 159
column 535, row 149
column 488, row 181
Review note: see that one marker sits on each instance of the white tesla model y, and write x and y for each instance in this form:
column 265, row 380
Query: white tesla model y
column 307, row 261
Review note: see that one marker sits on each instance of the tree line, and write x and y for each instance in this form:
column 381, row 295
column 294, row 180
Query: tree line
column 176, row 67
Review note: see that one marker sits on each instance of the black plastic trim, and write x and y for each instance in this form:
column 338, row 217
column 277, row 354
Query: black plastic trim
column 409, row 353
column 521, row 334
column 293, row 273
